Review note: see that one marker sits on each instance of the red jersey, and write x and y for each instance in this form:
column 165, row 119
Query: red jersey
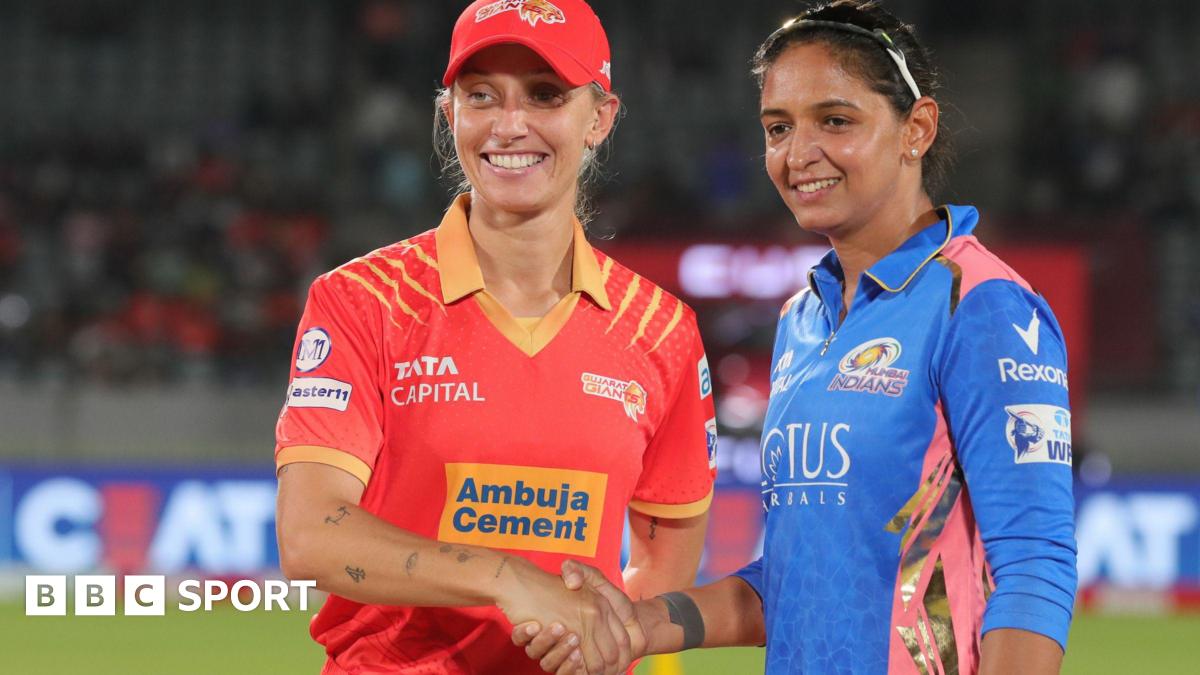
column 467, row 426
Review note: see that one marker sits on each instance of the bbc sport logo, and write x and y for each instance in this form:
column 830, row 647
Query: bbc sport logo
column 146, row 595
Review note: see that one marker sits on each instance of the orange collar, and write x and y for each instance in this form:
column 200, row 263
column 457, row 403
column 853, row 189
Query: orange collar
column 459, row 268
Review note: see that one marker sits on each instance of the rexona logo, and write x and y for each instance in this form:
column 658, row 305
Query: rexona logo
column 427, row 380
column 523, row 507
column 631, row 394
column 530, row 11
column 805, row 464
column 867, row 368
column 1011, row 371
column 1039, row 433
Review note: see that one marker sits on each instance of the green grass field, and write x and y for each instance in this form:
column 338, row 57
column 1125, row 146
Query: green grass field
column 259, row 643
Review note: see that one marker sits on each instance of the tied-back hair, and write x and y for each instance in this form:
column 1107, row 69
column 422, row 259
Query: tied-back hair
column 591, row 171
column 868, row 60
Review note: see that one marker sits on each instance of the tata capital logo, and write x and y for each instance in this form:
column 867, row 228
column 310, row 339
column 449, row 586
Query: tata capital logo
column 424, row 368
column 867, row 368
column 631, row 394
column 530, row 11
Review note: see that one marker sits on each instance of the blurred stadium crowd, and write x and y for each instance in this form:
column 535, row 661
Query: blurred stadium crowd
column 172, row 175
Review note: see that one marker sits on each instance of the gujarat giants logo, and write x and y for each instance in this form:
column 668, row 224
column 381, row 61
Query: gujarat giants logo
column 631, row 394
column 530, row 11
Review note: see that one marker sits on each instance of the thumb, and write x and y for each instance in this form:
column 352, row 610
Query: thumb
column 573, row 574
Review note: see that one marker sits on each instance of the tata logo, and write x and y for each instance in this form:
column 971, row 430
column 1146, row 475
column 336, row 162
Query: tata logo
column 425, row 365
column 313, row 349
column 804, row 464
column 1012, row 371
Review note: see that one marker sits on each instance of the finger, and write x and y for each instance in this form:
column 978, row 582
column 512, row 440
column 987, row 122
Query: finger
column 603, row 636
column 572, row 575
column 622, row 639
column 545, row 641
column 524, row 632
column 573, row 665
column 560, row 655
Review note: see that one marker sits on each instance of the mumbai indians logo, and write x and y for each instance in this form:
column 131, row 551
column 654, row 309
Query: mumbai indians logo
column 1024, row 431
column 631, row 394
column 530, row 11
column 867, row 368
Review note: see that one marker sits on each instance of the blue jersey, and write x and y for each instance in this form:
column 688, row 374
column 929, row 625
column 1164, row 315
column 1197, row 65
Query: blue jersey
column 916, row 464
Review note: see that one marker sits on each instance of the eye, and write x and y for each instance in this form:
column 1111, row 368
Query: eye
column 837, row 122
column 478, row 97
column 547, row 95
column 777, row 129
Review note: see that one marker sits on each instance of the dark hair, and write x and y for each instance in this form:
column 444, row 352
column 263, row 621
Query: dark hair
column 867, row 58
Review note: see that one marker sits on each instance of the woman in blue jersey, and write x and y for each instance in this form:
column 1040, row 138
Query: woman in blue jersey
column 917, row 446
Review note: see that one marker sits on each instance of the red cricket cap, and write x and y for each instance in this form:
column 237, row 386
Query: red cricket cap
column 566, row 33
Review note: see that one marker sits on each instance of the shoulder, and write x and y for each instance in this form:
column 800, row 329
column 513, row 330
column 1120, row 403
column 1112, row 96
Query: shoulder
column 645, row 315
column 401, row 277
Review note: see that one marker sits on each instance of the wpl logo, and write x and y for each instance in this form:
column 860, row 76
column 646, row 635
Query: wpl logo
column 1038, row 433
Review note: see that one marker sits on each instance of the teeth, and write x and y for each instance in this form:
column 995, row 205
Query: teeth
column 817, row 185
column 514, row 161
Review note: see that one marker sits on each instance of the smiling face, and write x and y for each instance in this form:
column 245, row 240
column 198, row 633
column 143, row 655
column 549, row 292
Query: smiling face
column 521, row 132
column 835, row 149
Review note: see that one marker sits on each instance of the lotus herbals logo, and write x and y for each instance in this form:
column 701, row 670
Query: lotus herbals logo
column 525, row 508
column 631, row 394
column 867, row 368
column 530, row 11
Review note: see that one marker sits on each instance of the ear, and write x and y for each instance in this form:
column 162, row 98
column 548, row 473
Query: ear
column 921, row 128
column 446, row 103
column 604, row 119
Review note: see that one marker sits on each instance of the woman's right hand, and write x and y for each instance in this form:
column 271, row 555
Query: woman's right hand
column 527, row 594
column 555, row 647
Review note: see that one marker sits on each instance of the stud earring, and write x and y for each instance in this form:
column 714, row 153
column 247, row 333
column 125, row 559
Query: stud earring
column 913, row 152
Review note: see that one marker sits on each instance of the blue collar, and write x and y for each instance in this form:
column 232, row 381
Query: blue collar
column 895, row 270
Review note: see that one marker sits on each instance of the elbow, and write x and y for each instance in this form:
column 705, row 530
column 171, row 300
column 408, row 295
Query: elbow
column 297, row 554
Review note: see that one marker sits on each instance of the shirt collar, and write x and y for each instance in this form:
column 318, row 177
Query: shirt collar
column 459, row 267
column 894, row 271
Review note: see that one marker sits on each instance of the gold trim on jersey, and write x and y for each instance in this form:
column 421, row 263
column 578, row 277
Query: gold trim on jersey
column 322, row 455
column 630, row 292
column 651, row 309
column 670, row 325
column 410, row 282
column 460, row 273
column 673, row 510
column 378, row 295
column 391, row 283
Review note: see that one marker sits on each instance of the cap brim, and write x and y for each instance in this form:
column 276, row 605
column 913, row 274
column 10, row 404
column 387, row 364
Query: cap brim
column 565, row 66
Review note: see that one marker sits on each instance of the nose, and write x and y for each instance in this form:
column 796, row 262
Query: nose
column 803, row 151
column 510, row 124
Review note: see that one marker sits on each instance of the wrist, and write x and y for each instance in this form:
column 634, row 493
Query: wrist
column 661, row 636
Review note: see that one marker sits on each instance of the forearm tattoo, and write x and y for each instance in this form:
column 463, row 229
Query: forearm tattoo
column 336, row 519
column 410, row 564
column 461, row 554
column 356, row 573
column 503, row 564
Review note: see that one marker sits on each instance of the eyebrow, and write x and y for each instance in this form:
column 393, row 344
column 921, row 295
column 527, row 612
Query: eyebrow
column 823, row 105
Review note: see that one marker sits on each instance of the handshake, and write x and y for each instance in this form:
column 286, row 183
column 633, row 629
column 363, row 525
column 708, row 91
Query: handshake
column 579, row 624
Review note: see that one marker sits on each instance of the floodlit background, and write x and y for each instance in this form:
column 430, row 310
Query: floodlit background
column 174, row 174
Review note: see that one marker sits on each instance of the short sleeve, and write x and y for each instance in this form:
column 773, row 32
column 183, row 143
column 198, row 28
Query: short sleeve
column 333, row 413
column 1003, row 380
column 679, row 464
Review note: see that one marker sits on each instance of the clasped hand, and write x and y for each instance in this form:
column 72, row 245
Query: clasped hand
column 579, row 624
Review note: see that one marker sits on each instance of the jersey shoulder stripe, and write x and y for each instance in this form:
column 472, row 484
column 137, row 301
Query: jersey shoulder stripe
column 401, row 277
column 976, row 264
column 644, row 316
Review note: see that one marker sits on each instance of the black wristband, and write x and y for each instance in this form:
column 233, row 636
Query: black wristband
column 683, row 611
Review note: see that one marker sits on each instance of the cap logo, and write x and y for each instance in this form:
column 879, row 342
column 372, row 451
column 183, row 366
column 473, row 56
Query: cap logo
column 530, row 11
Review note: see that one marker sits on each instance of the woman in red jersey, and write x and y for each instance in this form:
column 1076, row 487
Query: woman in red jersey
column 473, row 406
